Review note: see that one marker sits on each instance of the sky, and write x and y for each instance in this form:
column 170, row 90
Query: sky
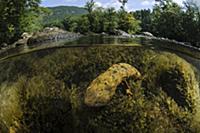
column 131, row 5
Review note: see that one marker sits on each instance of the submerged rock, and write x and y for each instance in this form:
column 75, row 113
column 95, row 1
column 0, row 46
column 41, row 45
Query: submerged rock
column 176, row 77
column 102, row 89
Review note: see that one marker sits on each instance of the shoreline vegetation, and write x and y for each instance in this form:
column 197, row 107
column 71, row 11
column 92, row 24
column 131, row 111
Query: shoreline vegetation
column 166, row 20
column 43, row 39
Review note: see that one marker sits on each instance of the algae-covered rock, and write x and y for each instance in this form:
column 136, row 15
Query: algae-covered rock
column 176, row 77
column 181, row 85
column 104, row 86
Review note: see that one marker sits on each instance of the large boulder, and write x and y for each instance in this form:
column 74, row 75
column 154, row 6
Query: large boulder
column 52, row 29
column 102, row 88
column 24, row 39
column 20, row 42
column 122, row 33
column 26, row 35
column 176, row 77
column 3, row 46
column 51, row 35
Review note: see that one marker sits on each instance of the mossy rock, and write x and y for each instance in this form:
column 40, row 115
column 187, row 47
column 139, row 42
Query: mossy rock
column 102, row 89
column 176, row 77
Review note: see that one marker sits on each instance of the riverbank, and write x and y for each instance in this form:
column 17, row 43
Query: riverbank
column 55, row 37
column 52, row 35
column 166, row 43
column 182, row 47
column 38, row 39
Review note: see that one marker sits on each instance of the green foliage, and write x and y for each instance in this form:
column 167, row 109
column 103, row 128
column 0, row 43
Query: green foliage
column 97, row 20
column 167, row 20
column 56, row 14
column 69, row 24
column 102, row 20
column 83, row 24
column 76, row 24
column 89, row 6
column 128, row 23
column 110, row 20
column 145, row 17
column 191, row 23
column 55, row 23
column 15, row 16
column 123, row 2
column 170, row 20
column 32, row 22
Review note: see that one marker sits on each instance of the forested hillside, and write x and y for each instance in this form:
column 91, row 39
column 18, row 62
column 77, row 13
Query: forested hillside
column 56, row 14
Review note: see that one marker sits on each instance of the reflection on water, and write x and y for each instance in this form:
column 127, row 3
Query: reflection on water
column 101, row 39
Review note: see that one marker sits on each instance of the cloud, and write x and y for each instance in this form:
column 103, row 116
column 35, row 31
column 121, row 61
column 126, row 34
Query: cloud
column 197, row 2
column 152, row 2
column 147, row 3
column 180, row 2
column 98, row 4
column 109, row 3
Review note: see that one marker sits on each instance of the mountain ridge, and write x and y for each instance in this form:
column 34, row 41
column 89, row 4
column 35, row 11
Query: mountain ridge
column 58, row 13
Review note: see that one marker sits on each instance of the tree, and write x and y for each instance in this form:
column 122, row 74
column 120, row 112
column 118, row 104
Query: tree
column 90, row 7
column 123, row 2
column 145, row 17
column 170, row 20
column 83, row 24
column 111, row 20
column 68, row 23
column 167, row 20
column 31, row 21
column 15, row 17
column 128, row 23
column 191, row 23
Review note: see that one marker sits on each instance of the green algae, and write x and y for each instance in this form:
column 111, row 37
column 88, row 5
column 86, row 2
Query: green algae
column 46, row 93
